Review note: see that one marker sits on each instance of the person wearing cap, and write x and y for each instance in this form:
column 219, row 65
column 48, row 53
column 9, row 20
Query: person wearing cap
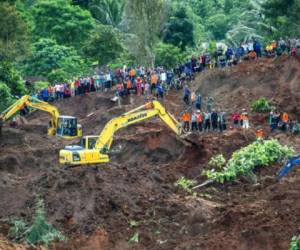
column 245, row 119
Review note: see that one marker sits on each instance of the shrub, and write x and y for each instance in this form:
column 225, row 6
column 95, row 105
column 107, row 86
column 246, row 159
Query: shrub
column 217, row 161
column 167, row 55
column 295, row 243
column 243, row 161
column 185, row 184
column 40, row 232
column 261, row 105
column 6, row 98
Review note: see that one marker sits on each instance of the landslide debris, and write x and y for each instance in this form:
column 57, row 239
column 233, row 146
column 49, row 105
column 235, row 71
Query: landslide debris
column 103, row 206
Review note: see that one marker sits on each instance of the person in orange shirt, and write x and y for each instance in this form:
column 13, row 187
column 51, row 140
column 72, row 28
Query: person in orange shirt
column 285, row 120
column 153, row 80
column 274, row 45
column 259, row 134
column 128, row 86
column 186, row 118
column 132, row 74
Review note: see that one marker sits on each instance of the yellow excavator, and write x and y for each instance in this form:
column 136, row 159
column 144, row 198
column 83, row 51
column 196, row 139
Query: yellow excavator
column 59, row 125
column 95, row 149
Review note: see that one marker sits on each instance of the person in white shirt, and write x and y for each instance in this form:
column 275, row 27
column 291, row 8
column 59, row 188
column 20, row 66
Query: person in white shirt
column 163, row 77
column 250, row 46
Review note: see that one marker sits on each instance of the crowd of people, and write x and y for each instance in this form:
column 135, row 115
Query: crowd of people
column 205, row 119
column 281, row 121
column 157, row 81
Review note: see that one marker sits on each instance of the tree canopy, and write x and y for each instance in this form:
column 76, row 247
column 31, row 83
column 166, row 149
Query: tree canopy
column 61, row 39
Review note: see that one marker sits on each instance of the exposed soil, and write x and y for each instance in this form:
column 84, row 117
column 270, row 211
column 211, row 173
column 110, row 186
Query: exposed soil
column 94, row 206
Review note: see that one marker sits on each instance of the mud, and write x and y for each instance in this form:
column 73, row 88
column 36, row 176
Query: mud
column 103, row 206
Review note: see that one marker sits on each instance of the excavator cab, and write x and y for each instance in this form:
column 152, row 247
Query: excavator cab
column 68, row 128
column 88, row 142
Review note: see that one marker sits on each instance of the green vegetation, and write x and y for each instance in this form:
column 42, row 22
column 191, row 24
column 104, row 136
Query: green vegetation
column 134, row 238
column 186, row 184
column 62, row 39
column 218, row 161
column 283, row 16
column 40, row 232
column 261, row 105
column 295, row 243
column 167, row 55
column 56, row 62
column 179, row 30
column 260, row 153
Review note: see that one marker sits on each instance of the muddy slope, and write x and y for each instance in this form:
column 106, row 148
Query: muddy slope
column 103, row 206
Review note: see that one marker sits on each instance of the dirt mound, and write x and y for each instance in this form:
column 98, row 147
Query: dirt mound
column 103, row 206
column 235, row 88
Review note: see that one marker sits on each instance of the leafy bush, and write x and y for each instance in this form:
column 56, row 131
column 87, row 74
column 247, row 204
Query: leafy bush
column 134, row 238
column 217, row 161
column 6, row 98
column 261, row 105
column 185, row 184
column 18, row 229
column 295, row 243
column 40, row 232
column 167, row 55
column 243, row 161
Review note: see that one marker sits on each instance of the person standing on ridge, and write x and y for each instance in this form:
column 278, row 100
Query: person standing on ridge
column 186, row 95
column 199, row 118
column 207, row 121
column 214, row 120
column 194, row 121
column 210, row 102
column 199, row 102
column 186, row 118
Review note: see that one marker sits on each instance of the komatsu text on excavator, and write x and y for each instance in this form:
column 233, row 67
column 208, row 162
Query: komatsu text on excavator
column 95, row 149
column 59, row 125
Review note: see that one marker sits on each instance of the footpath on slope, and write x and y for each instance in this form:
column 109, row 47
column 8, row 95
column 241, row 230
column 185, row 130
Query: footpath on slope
column 95, row 205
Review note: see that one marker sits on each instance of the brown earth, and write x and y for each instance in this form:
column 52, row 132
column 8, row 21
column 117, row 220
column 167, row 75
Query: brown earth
column 95, row 206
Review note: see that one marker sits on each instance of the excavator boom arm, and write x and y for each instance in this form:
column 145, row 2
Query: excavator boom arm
column 134, row 116
column 30, row 102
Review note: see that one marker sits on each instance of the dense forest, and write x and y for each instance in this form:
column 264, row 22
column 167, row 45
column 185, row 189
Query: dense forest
column 57, row 40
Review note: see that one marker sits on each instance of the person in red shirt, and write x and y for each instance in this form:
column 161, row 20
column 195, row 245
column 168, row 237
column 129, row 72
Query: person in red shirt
column 235, row 119
column 199, row 118
column 139, row 82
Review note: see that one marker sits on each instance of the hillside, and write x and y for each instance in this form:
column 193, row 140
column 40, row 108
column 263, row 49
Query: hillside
column 95, row 206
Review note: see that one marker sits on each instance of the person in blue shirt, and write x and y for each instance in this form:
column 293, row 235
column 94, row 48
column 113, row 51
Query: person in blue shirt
column 186, row 95
column 198, row 103
column 160, row 90
column 257, row 48
column 240, row 52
